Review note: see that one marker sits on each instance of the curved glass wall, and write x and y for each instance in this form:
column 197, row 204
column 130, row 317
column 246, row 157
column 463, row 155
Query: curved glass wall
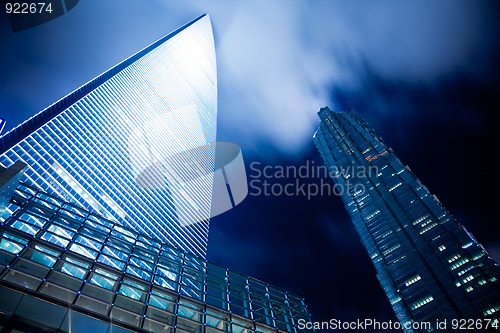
column 91, row 146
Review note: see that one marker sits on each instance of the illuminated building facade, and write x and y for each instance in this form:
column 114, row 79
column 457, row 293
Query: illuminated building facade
column 65, row 269
column 430, row 267
column 92, row 146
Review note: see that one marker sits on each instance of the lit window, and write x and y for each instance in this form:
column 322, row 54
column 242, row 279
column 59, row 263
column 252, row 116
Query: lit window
column 459, row 263
column 138, row 272
column 9, row 246
column 413, row 280
column 43, row 259
column 106, row 280
column 25, row 227
column 159, row 300
column 130, row 292
column 427, row 228
column 491, row 311
column 421, row 302
column 83, row 251
column 391, row 249
column 73, row 270
column 468, row 245
column 61, row 231
column 420, row 219
column 395, row 299
column 395, row 186
column 468, row 278
column 56, row 240
column 479, row 255
column 111, row 262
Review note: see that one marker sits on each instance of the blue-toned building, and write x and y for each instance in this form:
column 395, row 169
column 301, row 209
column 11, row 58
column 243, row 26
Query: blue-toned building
column 113, row 145
column 430, row 267
column 65, row 269
column 107, row 230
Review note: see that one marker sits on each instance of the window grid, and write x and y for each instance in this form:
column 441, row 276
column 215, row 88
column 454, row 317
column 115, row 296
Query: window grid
column 142, row 282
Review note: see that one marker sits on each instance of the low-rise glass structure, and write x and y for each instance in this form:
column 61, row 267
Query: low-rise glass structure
column 65, row 269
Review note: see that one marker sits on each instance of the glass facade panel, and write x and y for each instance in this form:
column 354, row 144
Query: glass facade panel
column 73, row 270
column 145, row 289
column 93, row 146
column 10, row 246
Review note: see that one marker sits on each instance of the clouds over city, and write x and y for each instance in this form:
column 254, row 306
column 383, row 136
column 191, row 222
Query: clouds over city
column 279, row 60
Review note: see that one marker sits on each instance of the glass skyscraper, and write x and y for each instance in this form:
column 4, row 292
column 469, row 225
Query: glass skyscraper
column 107, row 230
column 430, row 267
column 65, row 269
column 114, row 146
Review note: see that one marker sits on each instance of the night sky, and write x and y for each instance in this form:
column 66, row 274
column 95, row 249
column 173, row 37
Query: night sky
column 424, row 74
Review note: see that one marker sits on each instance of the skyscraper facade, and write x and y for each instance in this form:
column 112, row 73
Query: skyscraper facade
column 65, row 269
column 430, row 267
column 114, row 145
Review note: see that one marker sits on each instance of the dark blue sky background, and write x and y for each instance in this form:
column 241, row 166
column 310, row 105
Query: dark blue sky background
column 424, row 74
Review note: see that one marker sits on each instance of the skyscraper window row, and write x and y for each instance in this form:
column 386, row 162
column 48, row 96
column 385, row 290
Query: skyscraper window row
column 395, row 186
column 122, row 161
column 427, row 228
column 96, row 164
column 405, row 277
column 398, row 260
column 378, row 229
column 387, row 241
column 369, row 217
column 384, row 232
column 389, row 180
column 458, row 263
column 14, row 156
column 74, row 159
column 56, row 148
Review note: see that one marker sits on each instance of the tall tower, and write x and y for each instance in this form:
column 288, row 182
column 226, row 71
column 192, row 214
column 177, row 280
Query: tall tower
column 430, row 266
column 133, row 122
